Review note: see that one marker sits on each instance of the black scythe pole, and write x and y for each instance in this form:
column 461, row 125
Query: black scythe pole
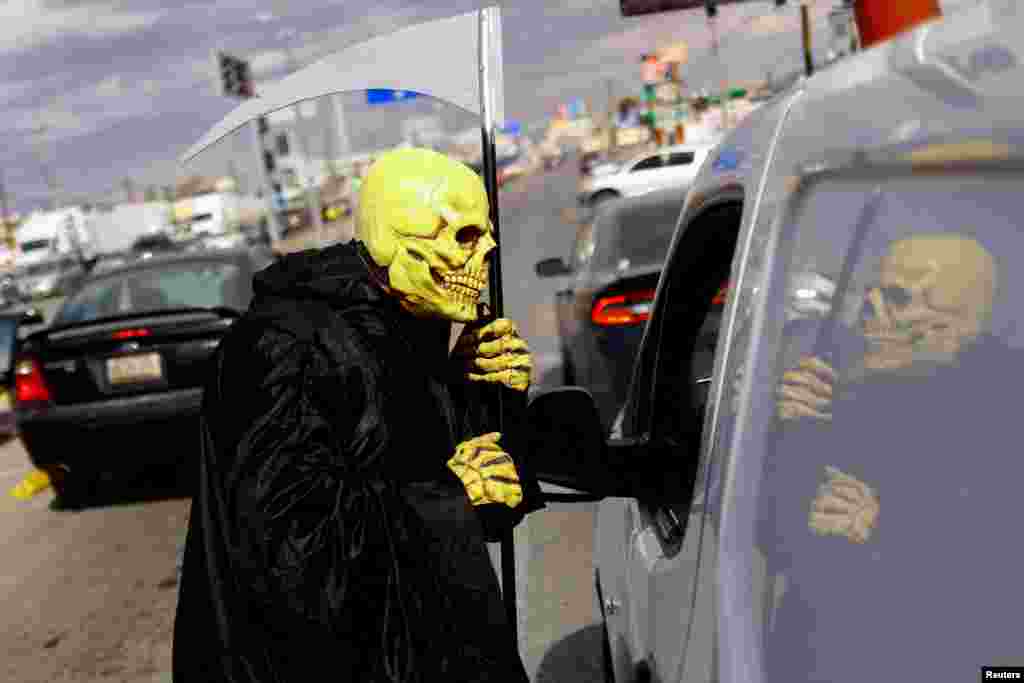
column 490, row 173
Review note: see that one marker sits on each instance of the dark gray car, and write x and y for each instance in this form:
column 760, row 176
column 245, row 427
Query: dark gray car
column 613, row 270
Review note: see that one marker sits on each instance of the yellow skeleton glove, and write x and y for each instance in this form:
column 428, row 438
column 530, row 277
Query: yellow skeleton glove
column 844, row 506
column 806, row 391
column 495, row 353
column 486, row 471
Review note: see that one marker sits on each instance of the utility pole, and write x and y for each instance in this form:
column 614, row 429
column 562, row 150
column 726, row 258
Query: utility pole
column 45, row 164
column 3, row 200
column 312, row 195
column 805, row 26
column 612, row 125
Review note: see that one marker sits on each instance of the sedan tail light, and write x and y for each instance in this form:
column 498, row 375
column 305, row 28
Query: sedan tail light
column 719, row 299
column 128, row 334
column 29, row 385
column 623, row 309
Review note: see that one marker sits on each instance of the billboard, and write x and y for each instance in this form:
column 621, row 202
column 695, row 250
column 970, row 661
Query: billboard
column 633, row 8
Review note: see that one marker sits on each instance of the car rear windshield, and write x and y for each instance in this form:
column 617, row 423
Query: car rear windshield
column 168, row 286
column 636, row 233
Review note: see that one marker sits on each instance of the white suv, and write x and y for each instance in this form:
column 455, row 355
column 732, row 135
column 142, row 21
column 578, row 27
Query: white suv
column 671, row 167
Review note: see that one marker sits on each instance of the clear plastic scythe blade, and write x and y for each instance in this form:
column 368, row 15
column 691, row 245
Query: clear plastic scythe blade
column 440, row 58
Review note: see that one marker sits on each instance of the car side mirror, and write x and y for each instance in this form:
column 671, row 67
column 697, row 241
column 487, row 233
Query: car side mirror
column 552, row 267
column 32, row 317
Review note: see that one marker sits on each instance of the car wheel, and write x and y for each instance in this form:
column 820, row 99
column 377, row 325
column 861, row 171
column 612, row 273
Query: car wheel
column 568, row 371
column 607, row 665
column 602, row 197
column 71, row 491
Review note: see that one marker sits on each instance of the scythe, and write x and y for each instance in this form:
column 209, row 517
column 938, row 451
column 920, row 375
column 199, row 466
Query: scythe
column 458, row 61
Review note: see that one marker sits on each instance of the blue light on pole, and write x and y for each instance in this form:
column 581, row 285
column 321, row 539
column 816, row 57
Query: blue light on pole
column 379, row 96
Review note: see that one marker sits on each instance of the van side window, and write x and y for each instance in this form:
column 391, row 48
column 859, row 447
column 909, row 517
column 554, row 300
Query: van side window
column 693, row 315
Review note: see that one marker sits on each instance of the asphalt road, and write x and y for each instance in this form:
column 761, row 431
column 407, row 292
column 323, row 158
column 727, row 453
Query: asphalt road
column 89, row 596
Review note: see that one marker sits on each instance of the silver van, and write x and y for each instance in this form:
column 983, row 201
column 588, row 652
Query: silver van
column 843, row 504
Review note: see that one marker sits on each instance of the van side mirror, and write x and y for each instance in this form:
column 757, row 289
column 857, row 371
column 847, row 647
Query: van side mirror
column 566, row 440
column 568, row 447
column 552, row 267
column 32, row 316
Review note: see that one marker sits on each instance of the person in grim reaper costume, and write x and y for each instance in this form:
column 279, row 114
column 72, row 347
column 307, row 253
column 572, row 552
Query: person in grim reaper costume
column 348, row 480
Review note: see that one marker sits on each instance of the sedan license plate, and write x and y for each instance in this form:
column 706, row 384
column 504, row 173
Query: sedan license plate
column 139, row 368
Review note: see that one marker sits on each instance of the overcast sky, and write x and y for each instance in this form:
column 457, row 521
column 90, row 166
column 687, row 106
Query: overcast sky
column 125, row 87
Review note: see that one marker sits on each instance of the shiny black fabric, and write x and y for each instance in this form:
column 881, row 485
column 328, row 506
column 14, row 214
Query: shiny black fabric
column 328, row 540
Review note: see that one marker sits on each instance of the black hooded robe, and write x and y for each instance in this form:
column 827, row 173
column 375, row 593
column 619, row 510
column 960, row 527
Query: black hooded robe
column 328, row 540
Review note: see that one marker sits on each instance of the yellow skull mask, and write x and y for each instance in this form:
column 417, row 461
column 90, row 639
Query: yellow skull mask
column 934, row 298
column 425, row 219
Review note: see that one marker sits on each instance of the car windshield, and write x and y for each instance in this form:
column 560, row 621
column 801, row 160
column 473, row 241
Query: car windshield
column 636, row 233
column 880, row 449
column 162, row 287
column 35, row 245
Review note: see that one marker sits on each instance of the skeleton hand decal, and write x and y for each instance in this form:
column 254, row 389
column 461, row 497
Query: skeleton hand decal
column 844, row 506
column 486, row 471
column 806, row 391
column 495, row 353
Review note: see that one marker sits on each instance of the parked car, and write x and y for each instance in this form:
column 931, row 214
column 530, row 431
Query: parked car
column 113, row 384
column 613, row 270
column 50, row 278
column 9, row 293
column 10, row 322
column 154, row 243
column 670, row 167
column 841, row 505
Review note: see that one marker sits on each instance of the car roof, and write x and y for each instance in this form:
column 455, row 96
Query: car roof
column 156, row 259
column 672, row 149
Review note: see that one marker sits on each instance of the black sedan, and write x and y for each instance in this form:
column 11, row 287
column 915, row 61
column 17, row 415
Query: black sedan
column 613, row 271
column 113, row 385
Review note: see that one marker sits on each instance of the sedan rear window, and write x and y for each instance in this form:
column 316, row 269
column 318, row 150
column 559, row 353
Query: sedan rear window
column 638, row 234
column 168, row 287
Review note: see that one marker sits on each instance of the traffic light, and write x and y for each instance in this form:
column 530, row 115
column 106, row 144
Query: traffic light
column 711, row 8
column 235, row 76
column 264, row 125
column 245, row 87
column 268, row 161
column 282, row 144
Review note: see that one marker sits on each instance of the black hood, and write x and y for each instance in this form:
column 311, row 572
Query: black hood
column 296, row 292
column 335, row 273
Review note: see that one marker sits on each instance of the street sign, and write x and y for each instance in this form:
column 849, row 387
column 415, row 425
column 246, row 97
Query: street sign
column 378, row 96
